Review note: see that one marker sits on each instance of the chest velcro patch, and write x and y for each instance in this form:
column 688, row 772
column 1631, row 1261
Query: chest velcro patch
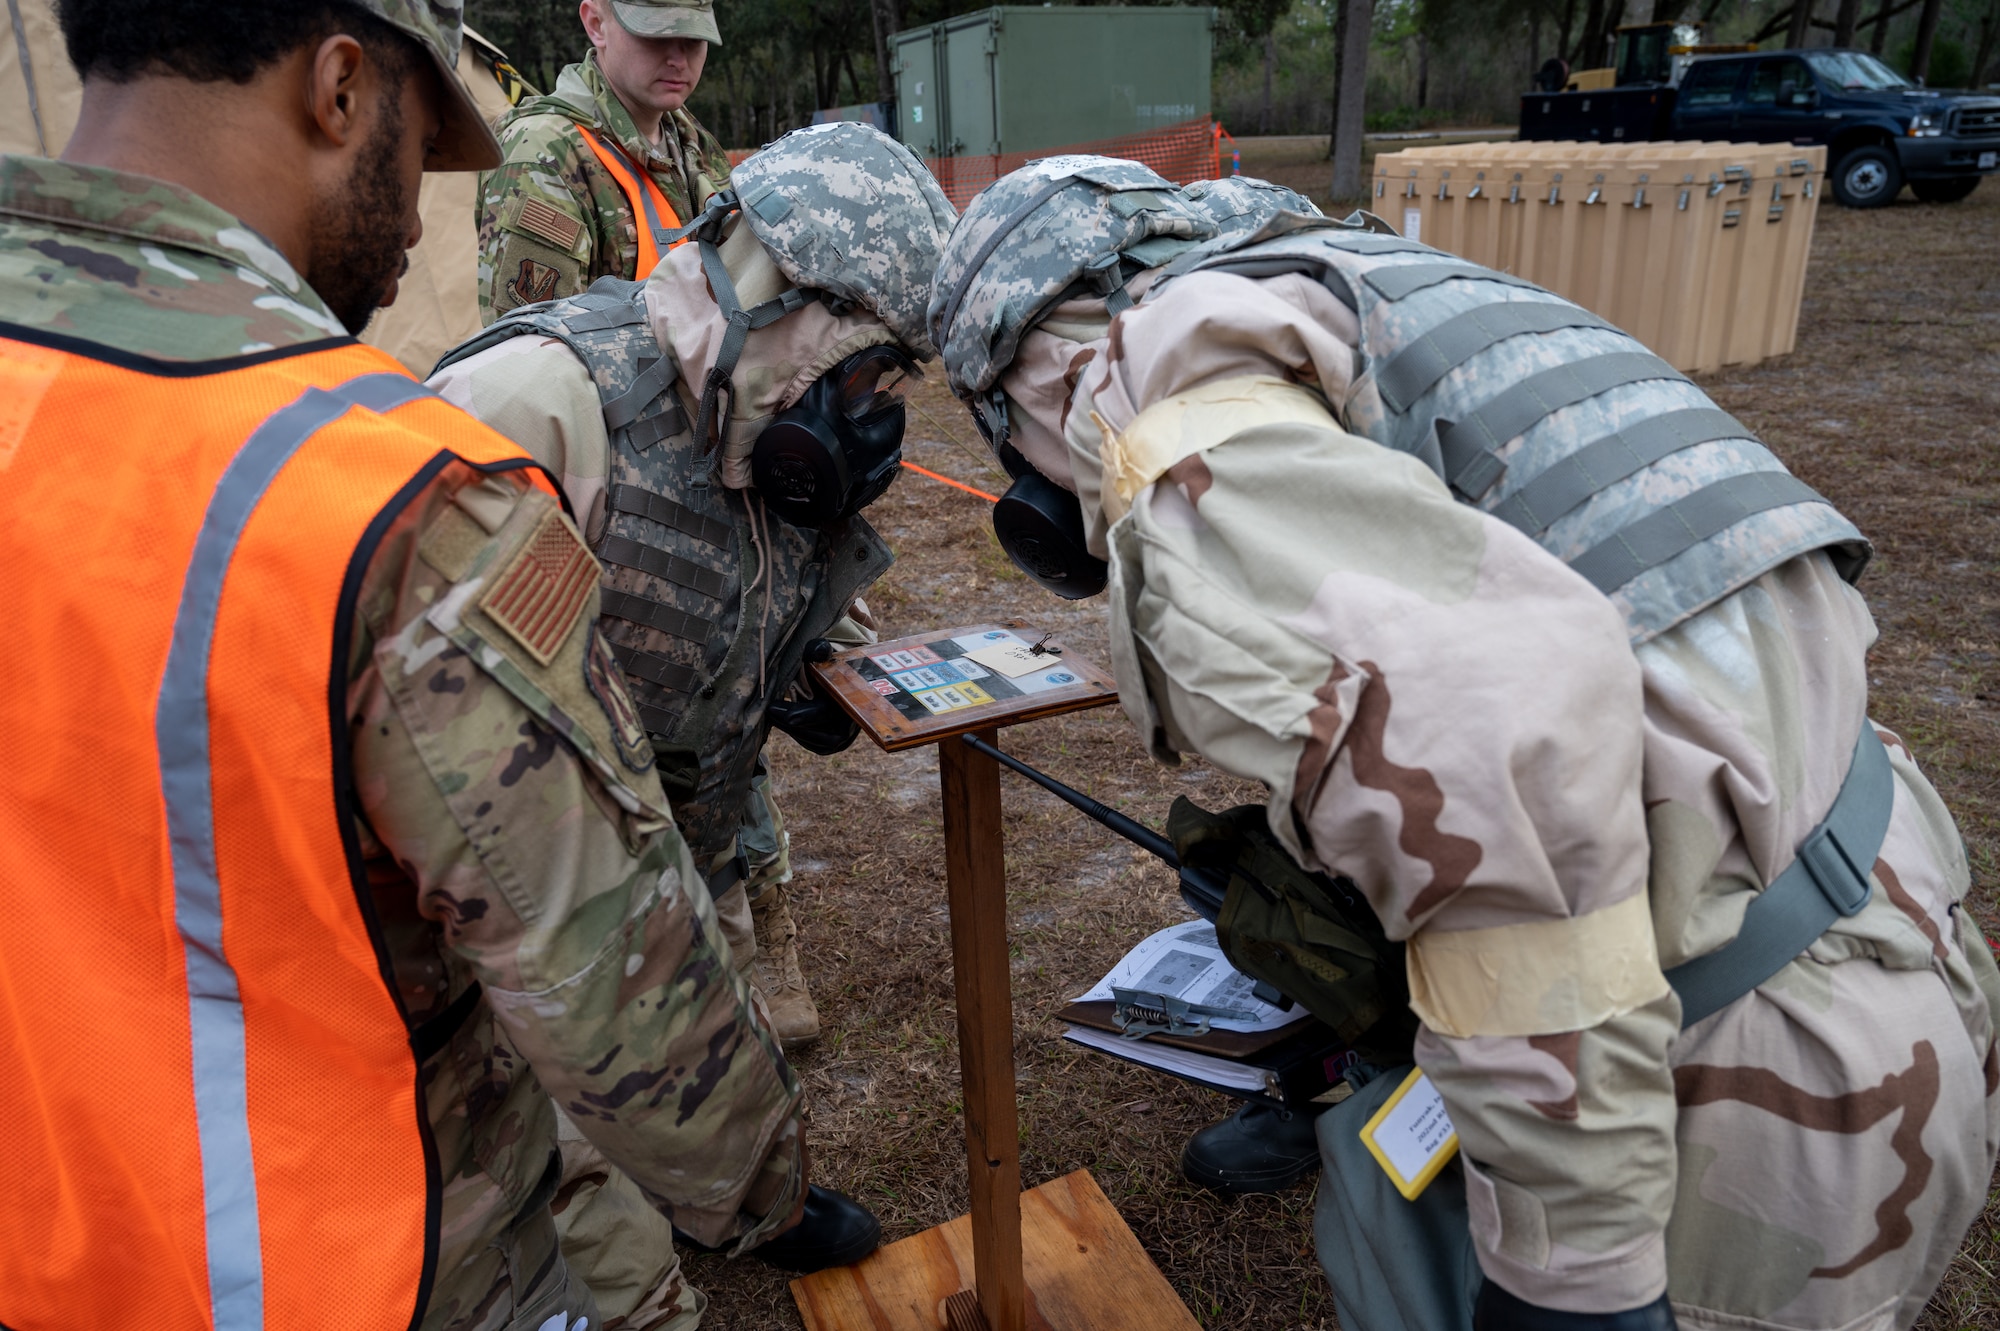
column 540, row 220
column 540, row 595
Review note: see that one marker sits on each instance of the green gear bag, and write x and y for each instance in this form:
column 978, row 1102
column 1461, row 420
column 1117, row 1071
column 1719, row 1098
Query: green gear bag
column 1313, row 938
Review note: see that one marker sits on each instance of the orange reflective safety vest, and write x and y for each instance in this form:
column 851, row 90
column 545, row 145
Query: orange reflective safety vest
column 207, row 1083
column 656, row 217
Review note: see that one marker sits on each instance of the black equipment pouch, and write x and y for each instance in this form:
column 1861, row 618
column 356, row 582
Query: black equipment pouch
column 1313, row 938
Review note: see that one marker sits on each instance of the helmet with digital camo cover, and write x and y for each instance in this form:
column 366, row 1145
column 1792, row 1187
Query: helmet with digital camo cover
column 1057, row 232
column 1239, row 204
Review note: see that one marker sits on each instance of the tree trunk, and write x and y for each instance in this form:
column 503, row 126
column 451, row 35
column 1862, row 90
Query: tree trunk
column 1590, row 46
column 1350, row 98
column 1423, row 71
column 1270, row 72
column 1989, row 29
column 1927, row 22
column 1881, row 32
column 1795, row 34
column 885, row 68
column 1667, row 11
column 1534, row 42
column 1563, row 50
column 1844, row 20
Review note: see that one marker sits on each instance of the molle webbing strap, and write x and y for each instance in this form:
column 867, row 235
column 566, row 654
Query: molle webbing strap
column 1469, row 446
column 1686, row 523
column 658, row 721
column 1602, row 463
column 656, row 669
column 1373, row 242
column 599, row 312
column 650, row 614
column 672, row 568
column 627, row 411
column 1277, row 265
column 642, row 503
column 1400, row 281
column 1417, row 367
column 1828, row 881
column 992, row 243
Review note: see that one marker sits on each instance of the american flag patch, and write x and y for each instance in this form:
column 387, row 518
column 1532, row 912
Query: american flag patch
column 545, row 223
column 538, row 598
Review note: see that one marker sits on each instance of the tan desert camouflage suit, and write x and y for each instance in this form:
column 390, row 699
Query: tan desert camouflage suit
column 1549, row 815
column 507, row 845
column 552, row 220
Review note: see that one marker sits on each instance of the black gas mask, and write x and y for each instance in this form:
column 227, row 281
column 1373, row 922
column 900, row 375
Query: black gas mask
column 1038, row 523
column 833, row 452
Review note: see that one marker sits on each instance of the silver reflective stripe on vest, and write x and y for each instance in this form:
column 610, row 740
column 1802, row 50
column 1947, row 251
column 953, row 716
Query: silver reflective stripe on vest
column 1415, row 369
column 1685, row 523
column 1468, row 447
column 180, row 727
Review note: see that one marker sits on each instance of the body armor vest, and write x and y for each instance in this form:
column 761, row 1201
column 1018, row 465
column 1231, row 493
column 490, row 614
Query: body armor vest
column 705, row 640
column 1543, row 415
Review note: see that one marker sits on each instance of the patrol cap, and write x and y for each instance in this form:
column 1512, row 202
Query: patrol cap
column 1032, row 236
column 465, row 142
column 1238, row 204
column 845, row 209
column 669, row 18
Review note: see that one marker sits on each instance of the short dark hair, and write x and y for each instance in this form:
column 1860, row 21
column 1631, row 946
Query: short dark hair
column 210, row 41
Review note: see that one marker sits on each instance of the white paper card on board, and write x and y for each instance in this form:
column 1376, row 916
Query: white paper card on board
column 1013, row 659
column 1411, row 1136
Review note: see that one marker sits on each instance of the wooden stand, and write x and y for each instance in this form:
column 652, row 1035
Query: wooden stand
column 1084, row 1270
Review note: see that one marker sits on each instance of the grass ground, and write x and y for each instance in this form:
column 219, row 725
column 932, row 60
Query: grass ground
column 1888, row 407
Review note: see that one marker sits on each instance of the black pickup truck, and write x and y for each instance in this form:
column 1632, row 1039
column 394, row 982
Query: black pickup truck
column 1880, row 130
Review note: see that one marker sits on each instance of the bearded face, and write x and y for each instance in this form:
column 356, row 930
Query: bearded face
column 361, row 231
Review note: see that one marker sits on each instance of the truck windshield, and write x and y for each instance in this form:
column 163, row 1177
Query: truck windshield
column 1852, row 70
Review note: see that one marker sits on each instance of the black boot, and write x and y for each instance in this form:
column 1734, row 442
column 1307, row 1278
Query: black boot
column 835, row 1231
column 1259, row 1148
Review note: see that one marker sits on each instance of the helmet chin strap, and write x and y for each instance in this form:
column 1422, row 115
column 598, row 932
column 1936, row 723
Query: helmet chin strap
column 706, row 228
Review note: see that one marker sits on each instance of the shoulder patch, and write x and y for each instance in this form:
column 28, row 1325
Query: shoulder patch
column 606, row 679
column 541, row 594
column 533, row 283
column 540, row 220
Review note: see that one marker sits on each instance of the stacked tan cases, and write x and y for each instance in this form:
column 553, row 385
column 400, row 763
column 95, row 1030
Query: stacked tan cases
column 1697, row 249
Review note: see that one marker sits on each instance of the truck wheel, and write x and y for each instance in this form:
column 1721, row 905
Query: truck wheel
column 1867, row 177
column 1944, row 191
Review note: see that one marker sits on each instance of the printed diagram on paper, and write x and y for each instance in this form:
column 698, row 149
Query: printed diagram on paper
column 1186, row 962
column 946, row 675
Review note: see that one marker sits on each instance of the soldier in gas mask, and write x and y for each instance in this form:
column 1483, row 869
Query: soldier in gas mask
column 1564, row 672
column 719, row 428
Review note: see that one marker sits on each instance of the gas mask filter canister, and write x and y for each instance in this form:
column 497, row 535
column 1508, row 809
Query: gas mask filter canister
column 837, row 449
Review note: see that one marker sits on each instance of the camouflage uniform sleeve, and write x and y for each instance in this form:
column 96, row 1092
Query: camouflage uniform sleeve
column 707, row 162
column 1413, row 704
column 538, row 225
column 500, row 761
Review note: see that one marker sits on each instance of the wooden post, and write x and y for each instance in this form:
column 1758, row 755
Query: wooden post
column 975, row 883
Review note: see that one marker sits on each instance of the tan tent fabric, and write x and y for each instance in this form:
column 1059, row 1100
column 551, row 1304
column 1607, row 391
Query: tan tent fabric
column 438, row 304
column 32, row 56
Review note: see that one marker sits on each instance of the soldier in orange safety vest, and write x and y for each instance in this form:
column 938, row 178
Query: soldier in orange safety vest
column 331, row 853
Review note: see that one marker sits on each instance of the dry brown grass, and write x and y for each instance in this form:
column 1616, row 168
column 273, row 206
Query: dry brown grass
column 1887, row 407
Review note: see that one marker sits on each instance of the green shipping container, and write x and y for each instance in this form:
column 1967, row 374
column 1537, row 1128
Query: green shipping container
column 1021, row 78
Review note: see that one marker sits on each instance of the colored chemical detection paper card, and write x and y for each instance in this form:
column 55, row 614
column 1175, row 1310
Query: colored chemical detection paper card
column 1411, row 1135
column 921, row 688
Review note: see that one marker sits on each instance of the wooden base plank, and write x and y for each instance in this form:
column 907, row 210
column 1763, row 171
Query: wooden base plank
column 1085, row 1272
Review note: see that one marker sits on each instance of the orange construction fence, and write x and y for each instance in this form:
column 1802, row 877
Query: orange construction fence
column 1189, row 151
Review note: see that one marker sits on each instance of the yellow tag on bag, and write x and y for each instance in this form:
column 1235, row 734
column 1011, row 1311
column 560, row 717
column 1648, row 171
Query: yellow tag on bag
column 1411, row 1135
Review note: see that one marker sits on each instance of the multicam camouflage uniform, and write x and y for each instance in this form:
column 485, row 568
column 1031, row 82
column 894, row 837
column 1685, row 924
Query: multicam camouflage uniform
column 709, row 616
column 532, row 890
column 1551, row 796
column 552, row 220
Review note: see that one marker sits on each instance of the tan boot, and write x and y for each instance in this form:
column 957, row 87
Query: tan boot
column 775, row 972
